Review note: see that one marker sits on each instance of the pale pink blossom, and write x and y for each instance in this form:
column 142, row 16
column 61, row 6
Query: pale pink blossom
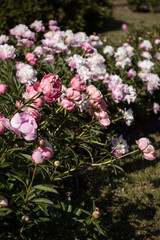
column 37, row 157
column 37, row 26
column 68, row 104
column 7, row 52
column 95, row 94
column 87, row 47
column 143, row 143
column 53, row 22
column 149, row 153
column 132, row 73
column 156, row 107
column 31, row 58
column 34, row 113
column 2, row 127
column 3, row 39
column 3, row 203
column 73, row 94
column 23, row 124
column 46, row 149
column 124, row 27
column 3, row 88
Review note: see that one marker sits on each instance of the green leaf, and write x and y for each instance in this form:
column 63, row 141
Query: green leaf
column 26, row 156
column 46, row 188
column 42, row 200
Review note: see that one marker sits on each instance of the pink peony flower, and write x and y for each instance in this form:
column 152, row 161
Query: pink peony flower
column 2, row 127
column 132, row 73
column 68, row 104
column 95, row 94
column 156, row 107
column 37, row 157
column 46, row 149
column 53, row 22
column 32, row 91
column 78, row 84
column 31, row 58
column 101, row 105
column 51, row 87
column 3, row 88
column 34, row 113
column 23, row 124
column 3, row 203
column 37, row 26
column 7, row 52
column 73, row 94
column 87, row 47
column 124, row 27
column 144, row 144
column 149, row 153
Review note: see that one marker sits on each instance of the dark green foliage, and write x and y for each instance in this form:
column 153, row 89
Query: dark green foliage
column 78, row 15
column 139, row 5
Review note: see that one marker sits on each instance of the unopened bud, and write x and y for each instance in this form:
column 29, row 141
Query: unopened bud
column 57, row 163
column 41, row 142
column 25, row 218
column 96, row 214
column 3, row 203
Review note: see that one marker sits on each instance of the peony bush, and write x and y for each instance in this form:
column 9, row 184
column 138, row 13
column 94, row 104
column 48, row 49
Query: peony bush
column 65, row 100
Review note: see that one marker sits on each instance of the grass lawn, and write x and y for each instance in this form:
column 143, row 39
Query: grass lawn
column 124, row 15
column 130, row 201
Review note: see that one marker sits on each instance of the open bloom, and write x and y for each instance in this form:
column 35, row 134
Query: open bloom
column 37, row 157
column 23, row 124
column 95, row 94
column 144, row 144
column 68, row 104
column 31, row 58
column 51, row 87
column 73, row 94
column 78, row 84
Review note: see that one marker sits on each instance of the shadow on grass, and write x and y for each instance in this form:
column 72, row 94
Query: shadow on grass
column 112, row 25
column 125, row 214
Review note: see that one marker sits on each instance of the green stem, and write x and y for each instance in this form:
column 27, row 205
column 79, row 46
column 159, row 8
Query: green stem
column 23, row 105
column 92, row 220
column 29, row 188
column 109, row 153
column 87, row 128
column 128, row 154
column 53, row 173
column 62, row 123
column 99, row 164
column 117, row 119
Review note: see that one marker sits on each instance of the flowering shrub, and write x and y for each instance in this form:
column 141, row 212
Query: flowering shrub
column 65, row 100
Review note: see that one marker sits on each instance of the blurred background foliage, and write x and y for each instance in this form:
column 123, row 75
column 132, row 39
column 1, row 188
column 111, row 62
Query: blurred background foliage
column 78, row 15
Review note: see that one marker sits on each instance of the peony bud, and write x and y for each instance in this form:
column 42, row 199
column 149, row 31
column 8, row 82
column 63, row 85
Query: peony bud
column 57, row 163
column 3, row 88
column 3, row 203
column 25, row 218
column 96, row 214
